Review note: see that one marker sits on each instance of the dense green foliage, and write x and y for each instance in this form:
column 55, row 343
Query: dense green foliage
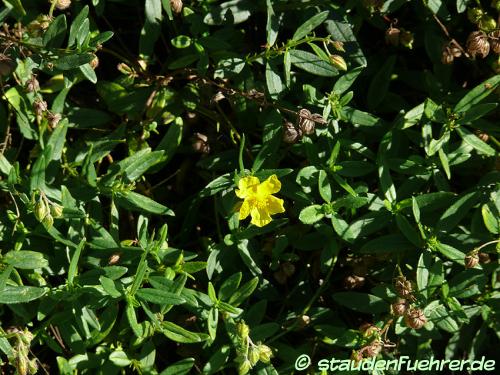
column 132, row 132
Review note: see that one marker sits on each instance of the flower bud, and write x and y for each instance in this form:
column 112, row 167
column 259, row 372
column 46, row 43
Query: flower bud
column 494, row 38
column 176, row 6
column 471, row 260
column 338, row 62
column 41, row 210
column 265, row 353
column 253, row 355
column 477, row 44
column 290, row 133
column 392, row 36
column 244, row 367
column 243, row 330
column 415, row 318
column 7, row 65
column 487, row 23
column 306, row 125
column 48, row 221
column 32, row 84
column 56, row 210
column 94, row 63
column 474, row 14
column 399, row 307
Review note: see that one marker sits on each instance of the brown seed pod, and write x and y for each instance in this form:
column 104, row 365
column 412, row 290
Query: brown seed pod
column 477, row 44
column 415, row 318
column 304, row 121
column 484, row 258
column 471, row 260
column 399, row 307
column 403, row 287
column 290, row 133
column 94, row 63
column 482, row 136
column 200, row 143
column 114, row 258
column 450, row 52
column 53, row 119
column 392, row 35
column 494, row 38
column 39, row 106
column 176, row 6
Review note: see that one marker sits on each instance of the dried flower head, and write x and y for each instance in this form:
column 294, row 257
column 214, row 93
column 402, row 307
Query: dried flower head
column 477, row 44
column 415, row 318
column 494, row 38
column 39, row 106
column 94, row 63
column 62, row 4
column 32, row 84
column 304, row 122
column 450, row 52
column 373, row 349
column 176, row 6
column 354, row 281
column 399, row 307
column 403, row 287
column 53, row 119
column 338, row 45
column 290, row 133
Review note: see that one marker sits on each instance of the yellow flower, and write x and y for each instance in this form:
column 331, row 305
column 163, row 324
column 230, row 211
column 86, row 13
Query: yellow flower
column 258, row 200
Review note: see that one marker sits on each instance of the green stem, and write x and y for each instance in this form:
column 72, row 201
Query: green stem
column 52, row 7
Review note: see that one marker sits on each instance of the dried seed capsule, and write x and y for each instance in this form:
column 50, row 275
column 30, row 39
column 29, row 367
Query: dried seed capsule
column 392, row 36
column 305, row 124
column 354, row 281
column 484, row 258
column 94, row 63
column 415, row 318
column 477, row 44
column 471, row 260
column 290, row 133
column 374, row 348
column 39, row 106
column 53, row 119
column 399, row 307
column 32, row 84
column 494, row 38
column 62, row 4
column 176, row 6
column 200, row 143
column 339, row 46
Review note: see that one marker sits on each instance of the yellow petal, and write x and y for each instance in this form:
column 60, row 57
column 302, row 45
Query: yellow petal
column 244, row 210
column 274, row 205
column 260, row 217
column 270, row 186
column 247, row 186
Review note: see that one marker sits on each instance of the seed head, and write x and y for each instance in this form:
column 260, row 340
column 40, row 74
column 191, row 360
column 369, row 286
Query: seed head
column 494, row 38
column 471, row 260
column 305, row 124
column 399, row 307
column 62, row 4
column 403, row 287
column 477, row 44
column 291, row 134
column 32, row 84
column 484, row 258
column 53, row 119
column 354, row 281
column 200, row 143
column 415, row 318
column 39, row 106
column 450, row 52
column 374, row 348
column 176, row 6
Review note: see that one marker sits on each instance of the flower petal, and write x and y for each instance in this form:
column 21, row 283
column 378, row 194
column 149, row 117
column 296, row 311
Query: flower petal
column 274, row 205
column 270, row 186
column 260, row 216
column 244, row 210
column 247, row 186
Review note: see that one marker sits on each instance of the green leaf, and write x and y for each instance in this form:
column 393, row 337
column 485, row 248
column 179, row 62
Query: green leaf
column 345, row 82
column 379, row 85
column 25, row 259
column 457, row 211
column 181, row 367
column 272, row 24
column 491, row 217
column 55, row 34
column 477, row 94
column 160, row 297
column 179, row 334
column 476, row 112
column 109, row 286
column 230, row 12
column 20, row 294
column 181, row 41
column 244, row 292
column 137, row 202
column 311, row 214
column 73, row 264
column 310, row 25
column 76, row 25
column 357, row 117
column 273, row 80
column 88, row 72
column 312, row 63
column 69, row 62
column 451, row 253
column 361, row 302
column 472, row 140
